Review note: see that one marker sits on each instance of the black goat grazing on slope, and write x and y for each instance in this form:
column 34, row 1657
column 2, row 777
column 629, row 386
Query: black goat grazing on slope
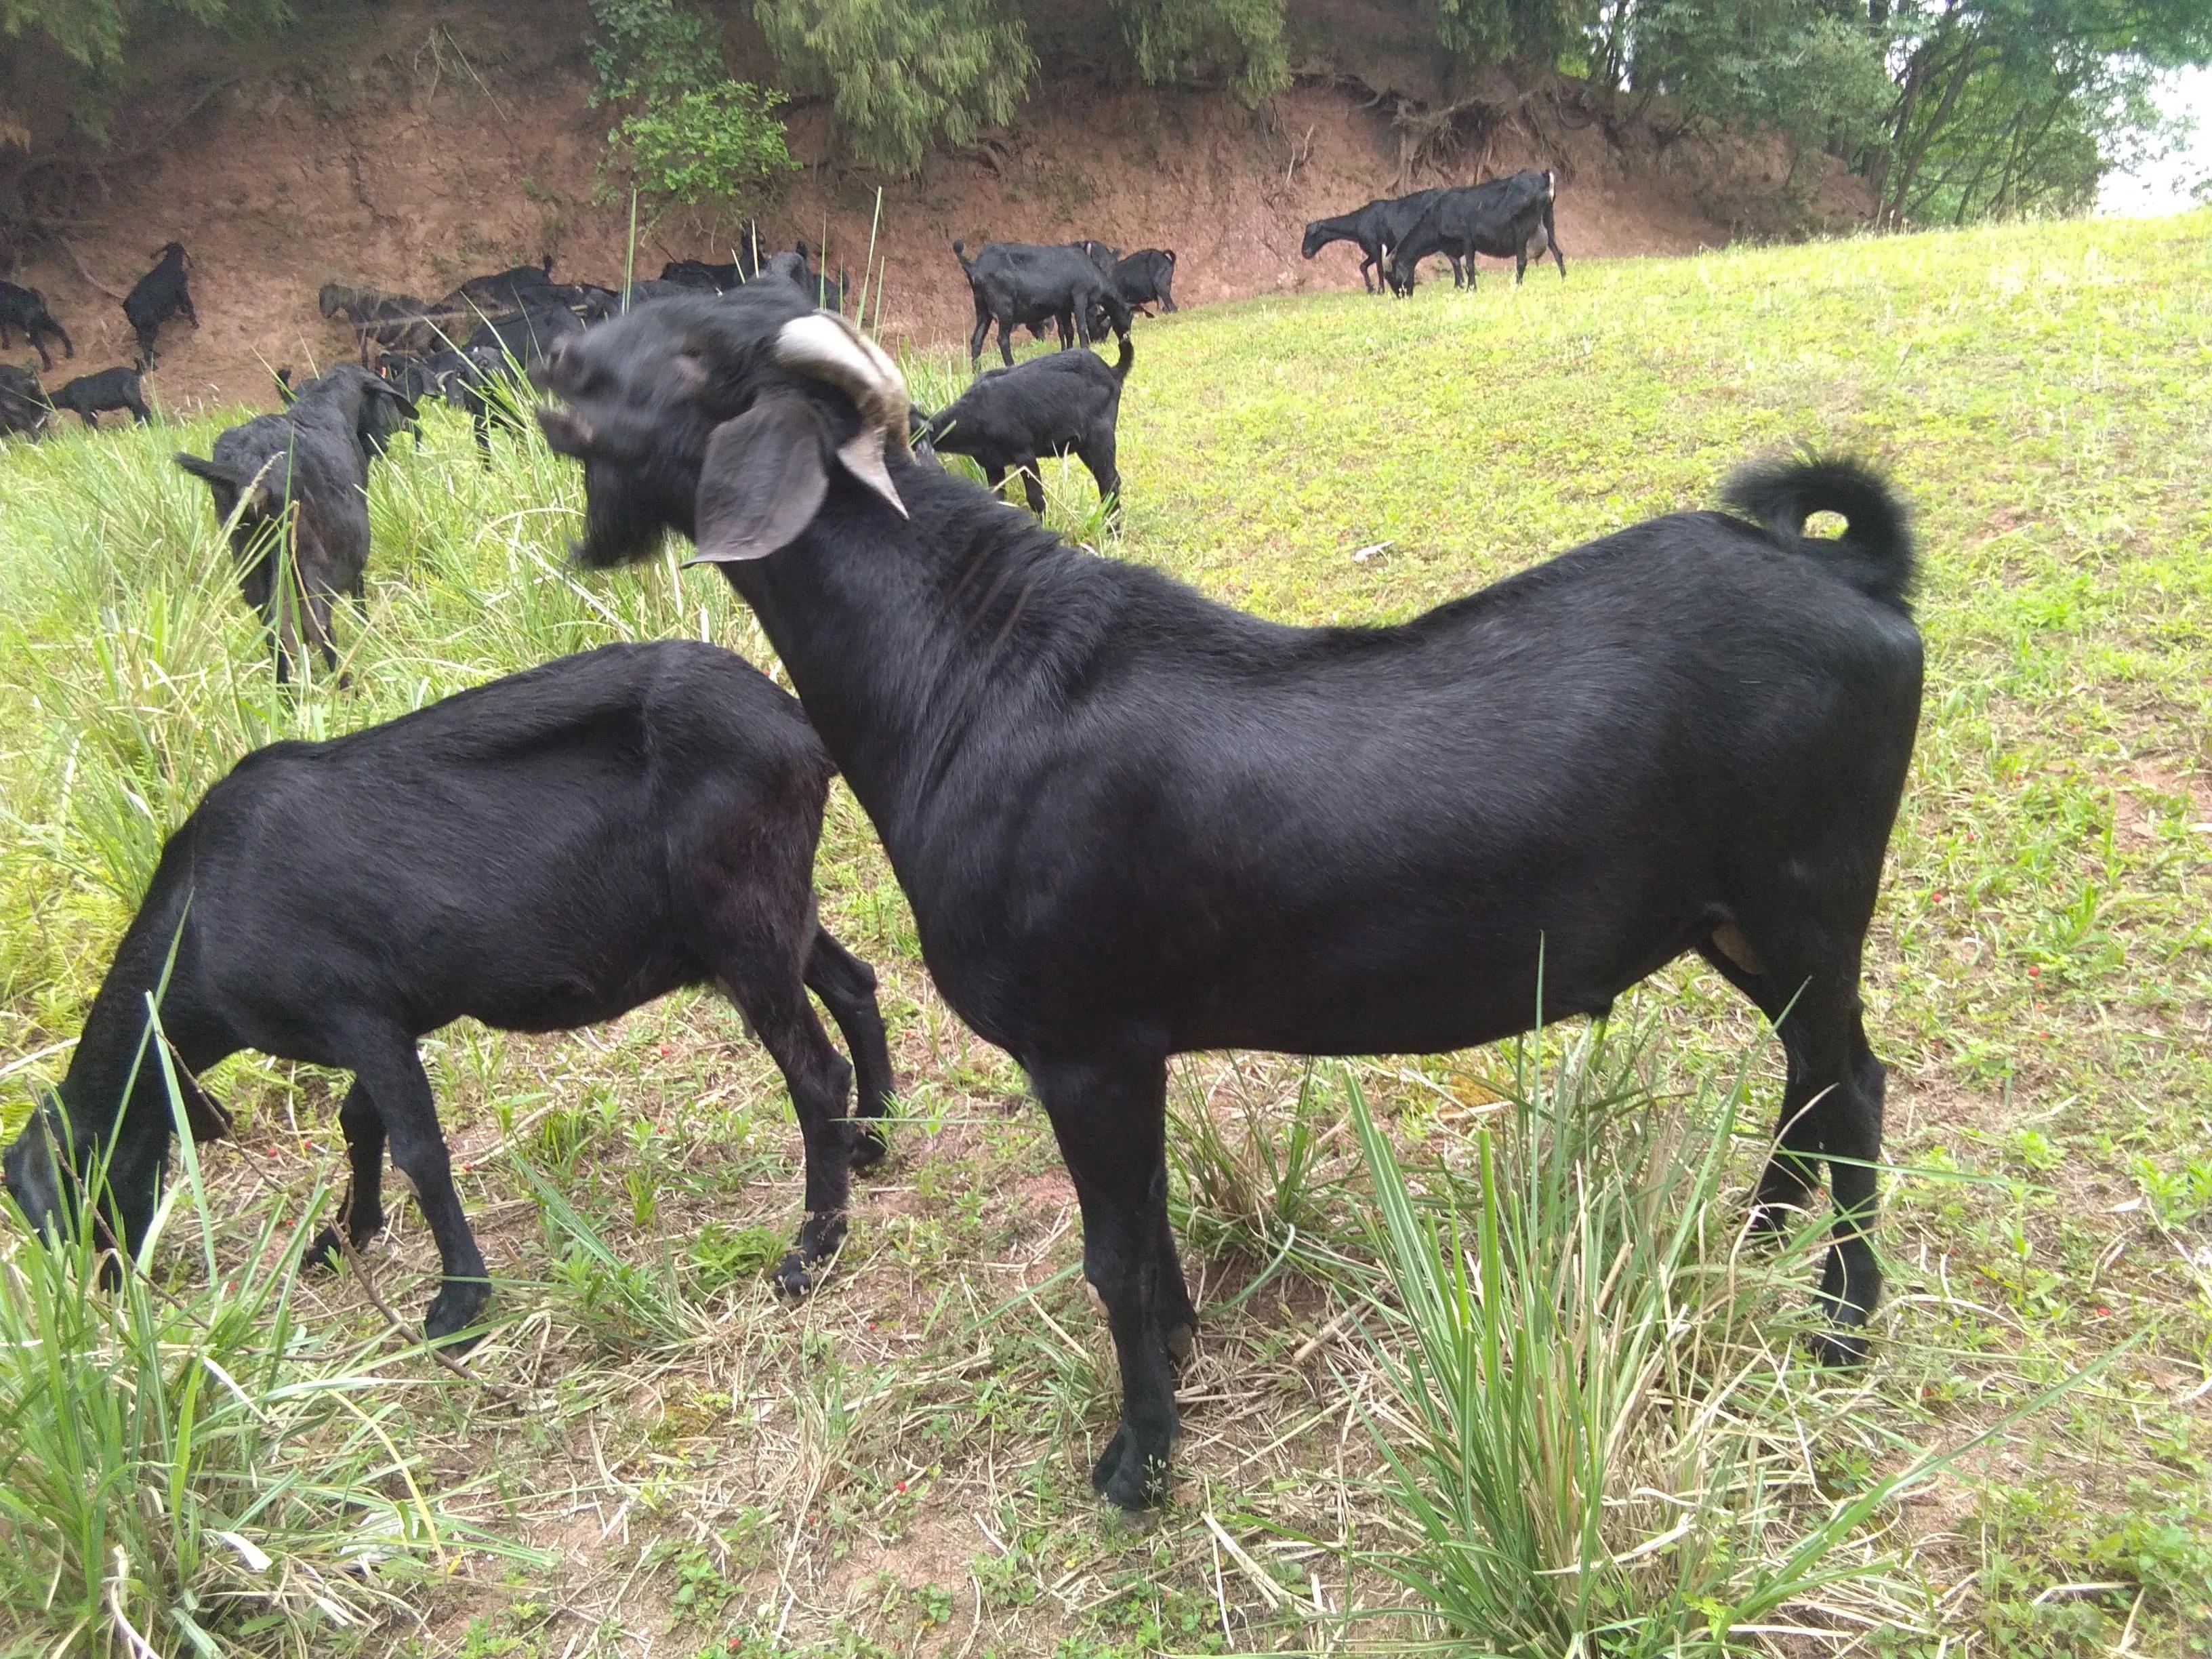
column 548, row 851
column 1376, row 228
column 1134, row 822
column 1066, row 403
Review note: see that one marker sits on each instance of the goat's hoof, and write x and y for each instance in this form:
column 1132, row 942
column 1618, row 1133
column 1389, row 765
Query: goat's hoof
column 1179, row 1337
column 453, row 1312
column 325, row 1251
column 869, row 1148
column 1126, row 1477
column 797, row 1274
column 1840, row 1349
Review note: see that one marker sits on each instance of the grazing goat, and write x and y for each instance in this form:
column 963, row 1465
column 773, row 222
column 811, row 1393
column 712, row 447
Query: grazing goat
column 158, row 295
column 1378, row 228
column 111, row 388
column 1147, row 277
column 25, row 308
column 548, row 851
column 291, row 488
column 23, row 407
column 1065, row 403
column 1134, row 822
column 1019, row 283
column 390, row 322
column 1507, row 217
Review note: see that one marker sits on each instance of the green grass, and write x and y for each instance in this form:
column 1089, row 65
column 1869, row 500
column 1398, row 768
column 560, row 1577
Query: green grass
column 898, row 1466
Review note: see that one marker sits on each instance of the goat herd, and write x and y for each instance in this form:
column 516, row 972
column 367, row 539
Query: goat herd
column 1131, row 822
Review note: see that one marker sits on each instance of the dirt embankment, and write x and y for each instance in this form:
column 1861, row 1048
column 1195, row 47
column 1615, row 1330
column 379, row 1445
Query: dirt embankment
column 411, row 144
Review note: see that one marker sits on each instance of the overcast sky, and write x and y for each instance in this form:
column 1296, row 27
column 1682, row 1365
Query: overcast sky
column 2162, row 186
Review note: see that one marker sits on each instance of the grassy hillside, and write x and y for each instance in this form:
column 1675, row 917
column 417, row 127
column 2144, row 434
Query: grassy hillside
column 653, row 1446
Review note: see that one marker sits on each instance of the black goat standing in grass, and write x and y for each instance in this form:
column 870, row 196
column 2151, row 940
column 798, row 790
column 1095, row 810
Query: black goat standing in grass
column 25, row 308
column 23, row 406
column 1017, row 284
column 160, row 294
column 92, row 395
column 1134, row 822
column 292, row 489
column 1062, row 404
column 1505, row 218
column 548, row 851
column 1376, row 228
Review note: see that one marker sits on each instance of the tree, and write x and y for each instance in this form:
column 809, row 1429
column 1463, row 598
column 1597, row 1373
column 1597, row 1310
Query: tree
column 1188, row 40
column 2009, row 106
column 689, row 134
column 899, row 74
column 98, row 36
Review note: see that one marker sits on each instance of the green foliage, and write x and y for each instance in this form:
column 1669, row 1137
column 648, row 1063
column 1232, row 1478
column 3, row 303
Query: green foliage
column 184, row 1460
column 1495, row 31
column 94, row 33
column 691, row 134
column 2011, row 107
column 1190, row 40
column 899, row 73
column 1790, row 66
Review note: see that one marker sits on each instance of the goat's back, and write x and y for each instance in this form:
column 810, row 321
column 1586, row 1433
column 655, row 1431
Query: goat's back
column 540, row 852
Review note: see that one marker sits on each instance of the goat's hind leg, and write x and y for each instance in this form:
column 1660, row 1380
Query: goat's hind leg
column 846, row 986
column 389, row 1070
column 361, row 1215
column 774, row 1003
column 1832, row 1108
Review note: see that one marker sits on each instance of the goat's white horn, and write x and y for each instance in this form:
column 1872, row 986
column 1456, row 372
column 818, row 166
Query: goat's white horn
column 828, row 346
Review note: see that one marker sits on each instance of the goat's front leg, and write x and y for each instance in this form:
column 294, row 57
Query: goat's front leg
column 1110, row 1117
column 390, row 1070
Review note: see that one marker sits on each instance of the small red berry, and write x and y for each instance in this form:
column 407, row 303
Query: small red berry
column 2034, row 971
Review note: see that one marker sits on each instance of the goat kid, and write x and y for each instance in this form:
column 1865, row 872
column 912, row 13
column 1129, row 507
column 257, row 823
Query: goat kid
column 1065, row 403
column 548, row 851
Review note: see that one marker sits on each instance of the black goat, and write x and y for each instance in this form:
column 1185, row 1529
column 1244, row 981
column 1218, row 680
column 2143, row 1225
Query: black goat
column 23, row 407
column 1023, row 283
column 158, row 295
column 1507, row 217
column 392, row 322
column 1133, row 823
column 486, row 382
column 548, row 851
column 511, row 290
column 1147, row 277
column 25, row 308
column 292, row 489
column 1065, row 403
column 111, row 388
column 1378, row 228
column 705, row 278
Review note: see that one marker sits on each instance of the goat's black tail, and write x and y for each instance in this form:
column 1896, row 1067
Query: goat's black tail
column 1121, row 363
column 1874, row 553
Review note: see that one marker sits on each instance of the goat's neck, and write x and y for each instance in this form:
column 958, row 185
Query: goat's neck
column 907, row 642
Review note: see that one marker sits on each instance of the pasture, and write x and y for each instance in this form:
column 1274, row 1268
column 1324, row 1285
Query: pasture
column 1616, row 1442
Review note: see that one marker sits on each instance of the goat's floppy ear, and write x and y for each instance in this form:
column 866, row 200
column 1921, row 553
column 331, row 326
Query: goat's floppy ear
column 764, row 478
